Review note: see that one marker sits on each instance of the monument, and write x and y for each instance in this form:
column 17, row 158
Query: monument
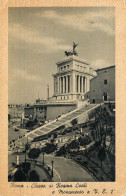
column 72, row 80
column 71, row 83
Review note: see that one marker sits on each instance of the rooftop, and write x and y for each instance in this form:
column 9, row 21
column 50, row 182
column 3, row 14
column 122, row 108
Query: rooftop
column 73, row 57
column 109, row 67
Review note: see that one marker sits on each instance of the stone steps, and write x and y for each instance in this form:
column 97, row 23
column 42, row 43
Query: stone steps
column 47, row 128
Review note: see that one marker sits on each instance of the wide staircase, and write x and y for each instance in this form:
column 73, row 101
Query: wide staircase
column 49, row 127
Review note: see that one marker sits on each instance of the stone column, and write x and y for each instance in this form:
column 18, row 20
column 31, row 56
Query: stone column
column 18, row 160
column 58, row 85
column 78, row 84
column 54, row 85
column 69, row 83
column 88, row 84
column 66, row 83
column 74, row 83
column 61, row 84
column 82, row 84
column 85, row 84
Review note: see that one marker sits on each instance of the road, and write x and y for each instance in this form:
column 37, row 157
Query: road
column 68, row 170
column 15, row 134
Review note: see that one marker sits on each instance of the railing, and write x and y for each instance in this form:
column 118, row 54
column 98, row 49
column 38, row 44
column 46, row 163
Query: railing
column 40, row 163
column 61, row 102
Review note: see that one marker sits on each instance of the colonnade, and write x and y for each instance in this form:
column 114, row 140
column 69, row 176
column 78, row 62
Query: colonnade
column 71, row 84
column 64, row 84
column 81, row 84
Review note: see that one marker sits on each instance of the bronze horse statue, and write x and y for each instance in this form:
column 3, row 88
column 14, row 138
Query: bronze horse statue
column 72, row 53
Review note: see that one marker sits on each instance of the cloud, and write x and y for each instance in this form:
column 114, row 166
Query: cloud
column 22, row 74
column 99, row 63
column 87, row 21
column 49, row 43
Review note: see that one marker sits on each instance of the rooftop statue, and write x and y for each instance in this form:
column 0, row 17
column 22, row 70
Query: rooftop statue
column 72, row 53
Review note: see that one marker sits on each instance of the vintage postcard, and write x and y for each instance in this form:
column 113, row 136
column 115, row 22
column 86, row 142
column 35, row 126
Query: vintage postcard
column 62, row 98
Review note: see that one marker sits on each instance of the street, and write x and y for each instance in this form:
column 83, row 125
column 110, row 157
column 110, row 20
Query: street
column 14, row 134
column 67, row 170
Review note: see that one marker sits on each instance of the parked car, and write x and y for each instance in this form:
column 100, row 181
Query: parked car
column 16, row 129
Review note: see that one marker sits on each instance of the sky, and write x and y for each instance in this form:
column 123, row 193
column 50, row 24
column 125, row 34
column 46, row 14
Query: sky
column 38, row 37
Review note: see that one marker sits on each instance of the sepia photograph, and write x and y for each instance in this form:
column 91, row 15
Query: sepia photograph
column 61, row 94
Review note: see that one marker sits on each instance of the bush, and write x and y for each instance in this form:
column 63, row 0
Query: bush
column 19, row 176
column 85, row 162
column 49, row 148
column 26, row 167
column 9, row 178
column 62, row 151
column 73, row 145
column 34, row 177
column 74, row 122
column 34, row 153
column 101, row 155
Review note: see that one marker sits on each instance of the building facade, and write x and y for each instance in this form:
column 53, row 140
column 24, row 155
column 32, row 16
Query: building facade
column 28, row 111
column 36, row 111
column 102, row 87
column 72, row 79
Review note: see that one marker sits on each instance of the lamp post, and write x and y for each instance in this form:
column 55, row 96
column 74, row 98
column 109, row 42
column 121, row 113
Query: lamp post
column 43, row 158
column 26, row 148
column 52, row 168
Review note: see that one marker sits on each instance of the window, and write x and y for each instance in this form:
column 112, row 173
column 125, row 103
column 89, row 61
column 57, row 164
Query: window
column 64, row 67
column 93, row 101
column 105, row 96
column 61, row 68
column 67, row 66
column 105, row 81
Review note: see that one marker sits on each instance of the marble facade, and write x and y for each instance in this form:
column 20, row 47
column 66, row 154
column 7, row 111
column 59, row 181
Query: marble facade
column 72, row 79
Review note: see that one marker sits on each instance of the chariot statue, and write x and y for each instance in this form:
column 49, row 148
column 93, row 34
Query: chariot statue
column 72, row 53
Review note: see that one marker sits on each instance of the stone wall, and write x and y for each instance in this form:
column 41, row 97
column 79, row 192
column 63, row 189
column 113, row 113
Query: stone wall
column 53, row 111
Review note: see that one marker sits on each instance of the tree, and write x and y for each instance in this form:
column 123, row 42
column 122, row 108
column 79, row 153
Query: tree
column 27, row 146
column 55, row 135
column 26, row 167
column 35, row 120
column 9, row 117
column 84, row 141
column 74, row 122
column 49, row 148
column 19, row 176
column 73, row 145
column 34, row 177
column 29, row 124
column 101, row 155
column 34, row 153
column 62, row 151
